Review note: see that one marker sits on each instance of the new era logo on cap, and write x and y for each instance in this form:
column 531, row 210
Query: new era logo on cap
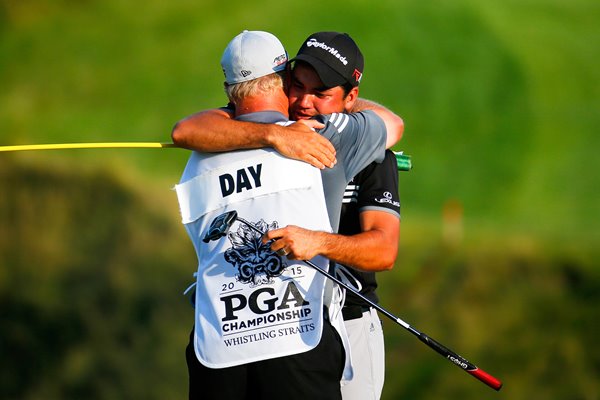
column 251, row 55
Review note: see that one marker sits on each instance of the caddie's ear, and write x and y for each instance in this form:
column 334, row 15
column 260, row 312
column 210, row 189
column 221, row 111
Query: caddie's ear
column 350, row 99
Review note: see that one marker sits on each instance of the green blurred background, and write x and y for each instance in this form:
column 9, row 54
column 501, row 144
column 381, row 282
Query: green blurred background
column 499, row 246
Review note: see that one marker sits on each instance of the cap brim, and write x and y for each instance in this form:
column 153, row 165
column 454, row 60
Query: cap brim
column 329, row 77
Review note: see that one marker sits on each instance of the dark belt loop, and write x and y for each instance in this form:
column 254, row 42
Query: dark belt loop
column 353, row 312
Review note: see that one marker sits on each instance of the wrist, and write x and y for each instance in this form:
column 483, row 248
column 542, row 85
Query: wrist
column 268, row 135
column 324, row 243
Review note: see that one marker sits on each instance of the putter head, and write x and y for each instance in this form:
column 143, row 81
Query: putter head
column 220, row 226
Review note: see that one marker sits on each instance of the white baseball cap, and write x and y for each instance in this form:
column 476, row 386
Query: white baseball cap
column 252, row 54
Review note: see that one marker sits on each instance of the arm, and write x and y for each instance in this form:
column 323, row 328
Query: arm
column 370, row 226
column 393, row 123
column 374, row 249
column 216, row 131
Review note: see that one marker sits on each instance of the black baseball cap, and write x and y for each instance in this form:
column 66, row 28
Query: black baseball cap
column 335, row 57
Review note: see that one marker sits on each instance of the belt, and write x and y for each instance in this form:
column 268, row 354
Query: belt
column 353, row 312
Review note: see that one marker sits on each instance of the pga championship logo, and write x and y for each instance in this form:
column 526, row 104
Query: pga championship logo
column 255, row 262
column 267, row 308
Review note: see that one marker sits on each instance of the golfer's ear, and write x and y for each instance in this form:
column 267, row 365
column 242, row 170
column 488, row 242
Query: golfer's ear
column 350, row 99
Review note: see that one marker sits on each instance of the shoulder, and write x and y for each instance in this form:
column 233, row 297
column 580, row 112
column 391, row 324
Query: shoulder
column 390, row 162
column 343, row 122
column 388, row 167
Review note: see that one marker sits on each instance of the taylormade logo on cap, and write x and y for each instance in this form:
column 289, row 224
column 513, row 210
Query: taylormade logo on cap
column 314, row 43
column 251, row 55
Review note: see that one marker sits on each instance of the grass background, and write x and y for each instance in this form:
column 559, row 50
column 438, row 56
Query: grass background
column 499, row 245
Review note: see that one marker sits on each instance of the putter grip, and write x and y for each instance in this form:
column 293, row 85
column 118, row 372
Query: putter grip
column 461, row 362
column 486, row 378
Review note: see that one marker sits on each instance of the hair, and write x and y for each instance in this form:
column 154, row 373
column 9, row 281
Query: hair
column 347, row 87
column 263, row 85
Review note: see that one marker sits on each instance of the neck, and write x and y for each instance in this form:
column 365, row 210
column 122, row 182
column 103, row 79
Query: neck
column 265, row 102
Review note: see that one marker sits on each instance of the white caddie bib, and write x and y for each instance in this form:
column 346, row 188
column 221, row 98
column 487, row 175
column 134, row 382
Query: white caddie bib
column 252, row 304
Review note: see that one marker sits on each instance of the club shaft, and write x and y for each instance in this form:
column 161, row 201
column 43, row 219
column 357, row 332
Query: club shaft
column 444, row 351
column 433, row 344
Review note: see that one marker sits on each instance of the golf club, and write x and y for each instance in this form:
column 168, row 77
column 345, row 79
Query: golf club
column 219, row 228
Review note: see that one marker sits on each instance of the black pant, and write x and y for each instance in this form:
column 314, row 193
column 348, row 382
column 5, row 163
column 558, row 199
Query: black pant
column 313, row 375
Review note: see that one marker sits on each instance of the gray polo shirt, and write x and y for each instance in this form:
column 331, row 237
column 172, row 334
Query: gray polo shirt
column 358, row 139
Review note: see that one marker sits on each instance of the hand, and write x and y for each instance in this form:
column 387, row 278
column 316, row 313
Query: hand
column 300, row 142
column 295, row 242
column 311, row 123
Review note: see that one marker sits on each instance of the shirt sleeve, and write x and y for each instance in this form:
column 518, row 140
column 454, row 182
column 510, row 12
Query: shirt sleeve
column 378, row 186
column 359, row 139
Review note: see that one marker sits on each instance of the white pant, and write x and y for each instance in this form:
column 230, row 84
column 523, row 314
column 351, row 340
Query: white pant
column 368, row 357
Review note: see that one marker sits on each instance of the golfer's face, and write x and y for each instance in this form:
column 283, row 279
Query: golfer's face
column 308, row 97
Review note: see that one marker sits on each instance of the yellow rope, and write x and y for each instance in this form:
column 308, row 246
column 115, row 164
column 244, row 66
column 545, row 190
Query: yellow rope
column 108, row 145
